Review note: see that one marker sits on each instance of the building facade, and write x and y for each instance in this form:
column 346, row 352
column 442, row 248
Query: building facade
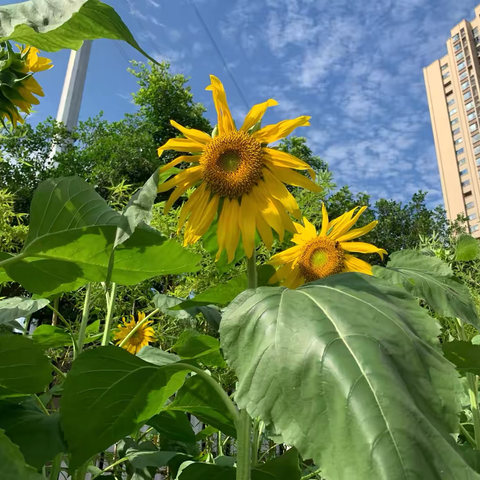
column 452, row 84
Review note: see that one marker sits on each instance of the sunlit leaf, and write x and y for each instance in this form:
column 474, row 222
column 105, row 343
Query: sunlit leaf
column 14, row 308
column 467, row 248
column 192, row 345
column 348, row 370
column 464, row 355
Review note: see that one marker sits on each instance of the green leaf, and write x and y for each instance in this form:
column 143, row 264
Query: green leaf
column 142, row 459
column 38, row 435
column 348, row 370
column 192, row 345
column 107, row 394
column 285, row 467
column 198, row 398
column 16, row 307
column 157, row 356
column 432, row 280
column 13, row 466
column 205, row 433
column 23, row 366
column 464, row 355
column 71, row 240
column 174, row 425
column 467, row 248
column 205, row 471
column 50, row 336
column 138, row 208
column 52, row 25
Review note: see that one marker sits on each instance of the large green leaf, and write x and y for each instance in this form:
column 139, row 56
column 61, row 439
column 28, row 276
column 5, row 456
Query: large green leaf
column 205, row 471
column 51, row 336
column 52, row 25
column 38, row 435
column 23, row 366
column 173, row 424
column 107, row 394
column 285, row 467
column 71, row 240
column 467, row 248
column 12, row 462
column 432, row 280
column 349, row 371
column 198, row 398
column 464, row 355
column 16, row 307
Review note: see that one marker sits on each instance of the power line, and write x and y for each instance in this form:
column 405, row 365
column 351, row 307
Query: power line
column 219, row 52
column 144, row 27
column 122, row 51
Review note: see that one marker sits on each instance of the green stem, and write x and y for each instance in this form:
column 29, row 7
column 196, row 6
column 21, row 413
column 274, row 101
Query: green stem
column 311, row 475
column 137, row 326
column 244, row 425
column 41, row 405
column 472, row 391
column 108, row 320
column 112, row 466
column 219, row 444
column 465, row 433
column 252, row 271
column 62, row 374
column 56, row 467
column 256, row 436
column 83, row 324
column 28, row 319
column 56, row 303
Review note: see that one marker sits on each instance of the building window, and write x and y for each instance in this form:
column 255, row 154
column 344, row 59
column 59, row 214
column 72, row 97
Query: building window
column 451, row 102
column 468, row 106
column 455, row 37
column 462, row 32
column 466, row 183
column 444, row 66
column 465, row 85
column 458, row 140
column 462, row 161
column 476, row 138
column 447, row 85
column 445, row 75
column 476, row 150
column 475, row 31
column 463, row 172
column 457, row 130
column 478, row 161
column 471, row 116
column 459, row 56
column 461, row 66
column 464, row 75
column 454, row 121
column 473, row 216
column 453, row 111
column 473, row 126
column 457, row 47
column 473, row 228
column 467, row 95
column 470, row 205
column 459, row 152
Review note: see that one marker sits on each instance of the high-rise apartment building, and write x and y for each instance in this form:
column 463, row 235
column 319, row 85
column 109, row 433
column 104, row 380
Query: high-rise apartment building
column 452, row 88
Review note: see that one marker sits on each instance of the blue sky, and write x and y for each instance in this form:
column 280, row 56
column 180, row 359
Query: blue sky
column 354, row 66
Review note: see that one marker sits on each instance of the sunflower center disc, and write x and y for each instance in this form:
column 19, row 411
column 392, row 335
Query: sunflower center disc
column 321, row 257
column 232, row 164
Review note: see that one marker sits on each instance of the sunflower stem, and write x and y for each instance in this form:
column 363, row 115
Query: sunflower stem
column 108, row 320
column 137, row 326
column 252, row 271
column 83, row 324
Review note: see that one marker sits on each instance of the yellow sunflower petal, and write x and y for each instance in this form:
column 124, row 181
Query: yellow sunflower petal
column 32, row 86
column 181, row 145
column 188, row 206
column 201, row 219
column 28, row 96
column 324, row 230
column 361, row 247
column 247, row 224
column 256, row 113
column 223, row 225
column 281, row 273
column 41, row 65
column 354, row 264
column 175, row 195
column 197, row 210
column 193, row 134
column 183, row 158
column 357, row 232
column 267, row 209
column 290, row 177
column 225, row 121
column 284, row 159
column 233, row 232
column 272, row 133
column 278, row 190
column 287, row 256
column 304, row 233
column 294, row 279
column 190, row 175
column 345, row 223
column 264, row 230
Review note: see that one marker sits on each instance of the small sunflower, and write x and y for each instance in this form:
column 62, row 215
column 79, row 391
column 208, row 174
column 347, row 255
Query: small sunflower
column 238, row 177
column 319, row 256
column 141, row 338
column 17, row 85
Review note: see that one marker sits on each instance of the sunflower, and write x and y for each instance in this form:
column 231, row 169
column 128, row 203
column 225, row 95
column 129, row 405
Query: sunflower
column 17, row 85
column 141, row 338
column 319, row 256
column 240, row 180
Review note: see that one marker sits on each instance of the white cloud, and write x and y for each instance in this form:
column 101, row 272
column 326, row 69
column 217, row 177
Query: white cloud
column 153, row 3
